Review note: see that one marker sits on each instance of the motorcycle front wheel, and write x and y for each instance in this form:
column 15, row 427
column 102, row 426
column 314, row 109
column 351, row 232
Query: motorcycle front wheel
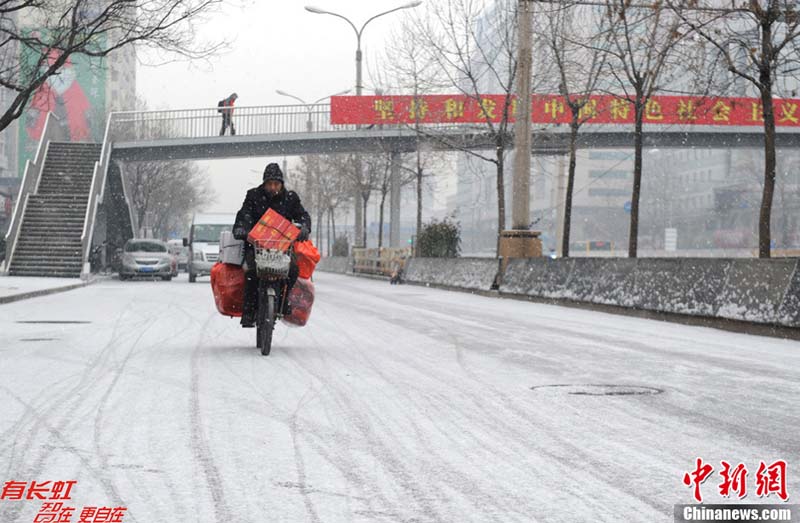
column 265, row 321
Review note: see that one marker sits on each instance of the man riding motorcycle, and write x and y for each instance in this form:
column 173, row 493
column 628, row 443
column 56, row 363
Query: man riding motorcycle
column 272, row 194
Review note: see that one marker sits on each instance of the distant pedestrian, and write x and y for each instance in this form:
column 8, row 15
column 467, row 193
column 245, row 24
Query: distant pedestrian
column 397, row 277
column 226, row 108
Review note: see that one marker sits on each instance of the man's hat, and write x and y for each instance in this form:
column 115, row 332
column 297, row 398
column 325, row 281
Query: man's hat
column 273, row 172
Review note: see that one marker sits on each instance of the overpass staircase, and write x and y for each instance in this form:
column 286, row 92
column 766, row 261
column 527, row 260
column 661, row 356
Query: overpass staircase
column 49, row 242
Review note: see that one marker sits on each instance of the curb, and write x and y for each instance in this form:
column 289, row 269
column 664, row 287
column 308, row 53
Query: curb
column 43, row 292
column 723, row 324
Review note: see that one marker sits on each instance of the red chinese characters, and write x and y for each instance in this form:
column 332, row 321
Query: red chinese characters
column 554, row 109
column 102, row 515
column 769, row 479
column 56, row 511
column 733, row 480
column 16, row 490
column 697, row 477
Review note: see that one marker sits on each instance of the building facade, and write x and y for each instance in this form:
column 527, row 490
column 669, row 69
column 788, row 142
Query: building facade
column 81, row 95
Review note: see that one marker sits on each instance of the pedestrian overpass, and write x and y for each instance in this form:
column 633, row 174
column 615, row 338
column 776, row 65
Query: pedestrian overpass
column 193, row 134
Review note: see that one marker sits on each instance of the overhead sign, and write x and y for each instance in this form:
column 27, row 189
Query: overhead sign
column 599, row 109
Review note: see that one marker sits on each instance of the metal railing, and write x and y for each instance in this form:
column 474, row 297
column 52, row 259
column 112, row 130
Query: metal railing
column 126, row 192
column 30, row 182
column 145, row 126
column 130, row 126
column 96, row 194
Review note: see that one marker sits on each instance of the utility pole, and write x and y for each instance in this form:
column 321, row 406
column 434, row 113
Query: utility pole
column 520, row 241
column 520, row 211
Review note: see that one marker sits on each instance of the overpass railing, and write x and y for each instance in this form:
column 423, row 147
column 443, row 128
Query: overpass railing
column 147, row 126
column 207, row 122
column 96, row 194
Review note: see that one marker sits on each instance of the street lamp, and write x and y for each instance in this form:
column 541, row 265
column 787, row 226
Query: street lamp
column 309, row 129
column 359, row 32
column 359, row 87
column 309, row 106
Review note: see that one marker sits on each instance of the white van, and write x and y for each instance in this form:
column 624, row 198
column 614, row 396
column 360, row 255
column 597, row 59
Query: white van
column 203, row 242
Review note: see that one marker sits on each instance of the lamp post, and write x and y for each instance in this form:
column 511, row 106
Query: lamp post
column 310, row 128
column 359, row 32
column 360, row 236
column 309, row 106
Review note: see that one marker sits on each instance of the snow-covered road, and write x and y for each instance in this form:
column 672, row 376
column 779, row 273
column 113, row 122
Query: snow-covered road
column 393, row 404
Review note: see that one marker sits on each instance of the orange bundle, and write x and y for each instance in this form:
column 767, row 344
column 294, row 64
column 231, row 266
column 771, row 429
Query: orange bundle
column 227, row 284
column 307, row 258
column 273, row 231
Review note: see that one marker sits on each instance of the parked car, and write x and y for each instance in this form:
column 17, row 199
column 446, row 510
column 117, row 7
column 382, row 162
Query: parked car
column 146, row 257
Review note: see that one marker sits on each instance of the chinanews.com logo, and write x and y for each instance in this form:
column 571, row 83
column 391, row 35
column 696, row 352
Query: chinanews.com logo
column 55, row 497
column 768, row 482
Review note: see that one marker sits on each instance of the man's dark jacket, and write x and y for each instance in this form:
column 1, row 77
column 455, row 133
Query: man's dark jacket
column 258, row 200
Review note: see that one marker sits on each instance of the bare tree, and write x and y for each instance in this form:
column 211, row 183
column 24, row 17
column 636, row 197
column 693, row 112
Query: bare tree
column 167, row 193
column 415, row 71
column 309, row 167
column 163, row 194
column 363, row 182
column 382, row 164
column 580, row 61
column 89, row 28
column 640, row 45
column 332, row 192
column 758, row 41
column 474, row 48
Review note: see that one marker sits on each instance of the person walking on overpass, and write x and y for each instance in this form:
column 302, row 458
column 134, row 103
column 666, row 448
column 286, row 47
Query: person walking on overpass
column 226, row 108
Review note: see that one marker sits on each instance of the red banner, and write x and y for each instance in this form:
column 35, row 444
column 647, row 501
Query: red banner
column 600, row 109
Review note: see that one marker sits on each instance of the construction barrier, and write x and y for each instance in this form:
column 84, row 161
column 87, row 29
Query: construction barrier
column 382, row 261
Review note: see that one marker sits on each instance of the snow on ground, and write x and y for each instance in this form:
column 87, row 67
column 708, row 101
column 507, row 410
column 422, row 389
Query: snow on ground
column 395, row 403
column 14, row 285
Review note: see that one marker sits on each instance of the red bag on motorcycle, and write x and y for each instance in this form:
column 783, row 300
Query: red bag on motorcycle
column 227, row 284
column 307, row 258
column 301, row 299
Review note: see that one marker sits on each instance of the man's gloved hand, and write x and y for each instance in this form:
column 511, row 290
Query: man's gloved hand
column 239, row 233
column 303, row 236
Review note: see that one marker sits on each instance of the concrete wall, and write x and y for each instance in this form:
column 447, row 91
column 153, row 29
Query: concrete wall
column 465, row 273
column 761, row 291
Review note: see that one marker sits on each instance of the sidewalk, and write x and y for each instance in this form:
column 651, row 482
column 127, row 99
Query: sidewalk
column 14, row 288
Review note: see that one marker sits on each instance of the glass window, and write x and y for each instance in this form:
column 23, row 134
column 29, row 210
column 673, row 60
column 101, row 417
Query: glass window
column 209, row 232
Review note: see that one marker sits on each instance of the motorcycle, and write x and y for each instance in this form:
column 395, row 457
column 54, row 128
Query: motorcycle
column 273, row 261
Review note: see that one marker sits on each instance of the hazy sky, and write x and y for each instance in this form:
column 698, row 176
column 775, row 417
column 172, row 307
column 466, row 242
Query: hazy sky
column 274, row 45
